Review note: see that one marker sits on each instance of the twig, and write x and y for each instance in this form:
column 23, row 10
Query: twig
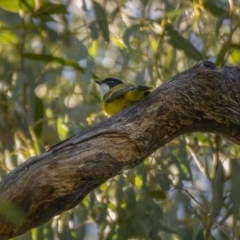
column 207, row 214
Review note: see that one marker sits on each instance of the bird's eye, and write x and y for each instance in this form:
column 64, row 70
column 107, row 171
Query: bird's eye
column 110, row 83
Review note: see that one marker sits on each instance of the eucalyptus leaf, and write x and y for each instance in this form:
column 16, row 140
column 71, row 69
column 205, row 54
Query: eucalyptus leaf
column 213, row 8
column 102, row 20
column 157, row 194
column 49, row 58
column 38, row 117
column 16, row 5
column 218, row 190
column 175, row 12
column 51, row 8
column 129, row 32
column 180, row 43
column 220, row 20
column 235, row 193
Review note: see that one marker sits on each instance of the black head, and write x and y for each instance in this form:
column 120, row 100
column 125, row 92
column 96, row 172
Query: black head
column 111, row 82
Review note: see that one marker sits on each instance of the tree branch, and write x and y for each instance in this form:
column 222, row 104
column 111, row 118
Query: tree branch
column 203, row 99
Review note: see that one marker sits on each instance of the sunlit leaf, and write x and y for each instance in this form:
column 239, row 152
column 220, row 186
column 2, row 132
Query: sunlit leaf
column 62, row 128
column 119, row 43
column 8, row 37
column 16, row 5
column 234, row 57
column 92, row 51
column 175, row 12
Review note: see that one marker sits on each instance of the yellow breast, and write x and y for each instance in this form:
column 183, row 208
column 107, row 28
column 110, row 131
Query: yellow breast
column 134, row 95
column 116, row 106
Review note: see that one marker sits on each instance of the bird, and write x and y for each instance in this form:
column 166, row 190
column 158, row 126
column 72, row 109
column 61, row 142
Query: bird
column 117, row 95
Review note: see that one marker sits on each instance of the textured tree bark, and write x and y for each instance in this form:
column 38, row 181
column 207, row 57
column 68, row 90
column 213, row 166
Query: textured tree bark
column 203, row 98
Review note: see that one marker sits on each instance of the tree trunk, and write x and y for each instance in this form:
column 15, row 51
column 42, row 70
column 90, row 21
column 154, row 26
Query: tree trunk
column 203, row 98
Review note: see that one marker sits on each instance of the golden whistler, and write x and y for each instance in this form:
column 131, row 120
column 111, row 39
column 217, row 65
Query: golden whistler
column 117, row 95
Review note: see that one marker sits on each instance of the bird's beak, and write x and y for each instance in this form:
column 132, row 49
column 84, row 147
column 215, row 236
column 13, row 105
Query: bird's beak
column 98, row 82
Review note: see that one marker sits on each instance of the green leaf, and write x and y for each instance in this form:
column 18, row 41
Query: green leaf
column 218, row 190
column 94, row 31
column 235, row 46
column 119, row 187
column 9, row 211
column 114, row 13
column 49, row 58
column 62, row 128
column 220, row 21
column 163, row 181
column 175, row 12
column 16, row 5
column 220, row 61
column 184, row 157
column 38, row 117
column 176, row 160
column 235, row 193
column 213, row 8
column 8, row 37
column 234, row 56
column 157, row 194
column 51, row 8
column 53, row 36
column 101, row 16
column 130, row 199
column 127, row 34
column 200, row 234
column 180, row 43
column 19, row 79
column 4, row 102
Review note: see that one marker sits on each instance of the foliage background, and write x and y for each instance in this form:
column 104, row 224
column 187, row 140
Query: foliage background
column 50, row 51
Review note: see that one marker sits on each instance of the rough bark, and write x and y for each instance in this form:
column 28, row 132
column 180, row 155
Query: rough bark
column 203, row 98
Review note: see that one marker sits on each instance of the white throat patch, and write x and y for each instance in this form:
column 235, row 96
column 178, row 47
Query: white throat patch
column 104, row 89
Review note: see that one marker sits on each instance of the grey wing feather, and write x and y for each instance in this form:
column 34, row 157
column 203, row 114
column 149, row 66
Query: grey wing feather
column 143, row 88
column 118, row 91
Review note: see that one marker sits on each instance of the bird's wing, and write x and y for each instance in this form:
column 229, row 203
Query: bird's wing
column 143, row 88
column 118, row 91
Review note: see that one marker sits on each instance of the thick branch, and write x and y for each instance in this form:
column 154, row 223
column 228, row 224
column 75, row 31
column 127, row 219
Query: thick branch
column 203, row 98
